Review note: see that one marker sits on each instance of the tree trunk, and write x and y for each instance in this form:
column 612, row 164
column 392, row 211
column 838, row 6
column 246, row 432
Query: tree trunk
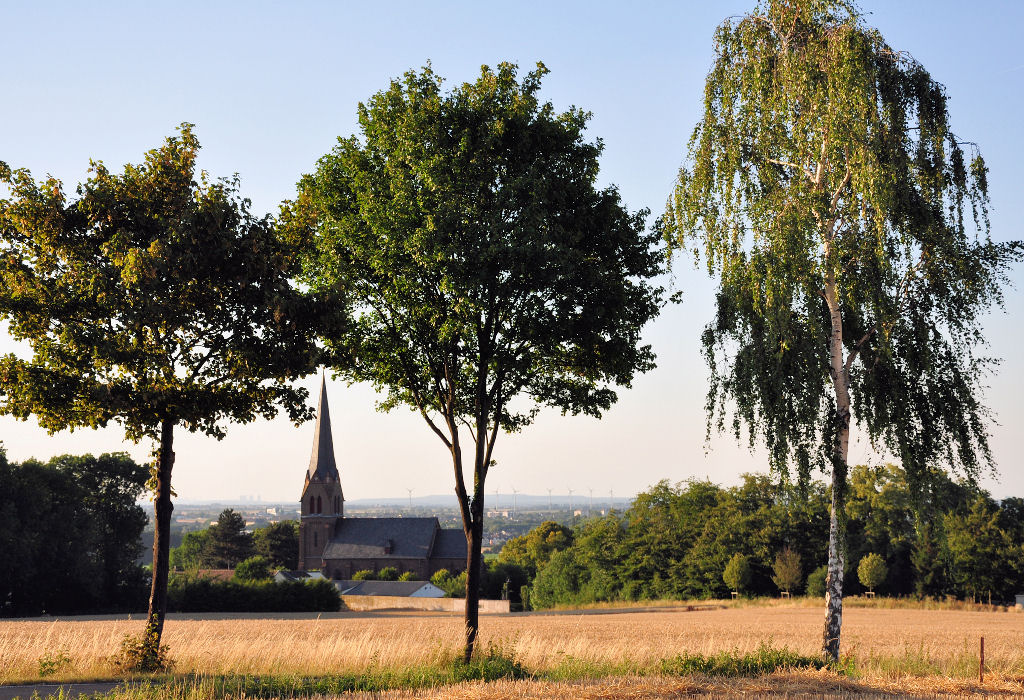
column 473, row 558
column 837, row 516
column 161, row 544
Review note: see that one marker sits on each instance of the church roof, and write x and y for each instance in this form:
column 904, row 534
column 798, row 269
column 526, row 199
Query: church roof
column 322, row 465
column 390, row 538
column 450, row 544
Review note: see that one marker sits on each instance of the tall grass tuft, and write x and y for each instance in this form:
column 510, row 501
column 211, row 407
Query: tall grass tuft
column 766, row 659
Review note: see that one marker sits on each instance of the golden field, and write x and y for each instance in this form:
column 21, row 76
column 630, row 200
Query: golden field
column 888, row 646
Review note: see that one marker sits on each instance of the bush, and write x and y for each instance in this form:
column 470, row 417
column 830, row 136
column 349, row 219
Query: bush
column 388, row 573
column 408, row 576
column 205, row 595
column 141, row 655
column 788, row 571
column 765, row 660
column 364, row 575
column 816, row 581
column 255, row 568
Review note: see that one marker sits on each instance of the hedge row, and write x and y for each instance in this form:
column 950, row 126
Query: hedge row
column 205, row 595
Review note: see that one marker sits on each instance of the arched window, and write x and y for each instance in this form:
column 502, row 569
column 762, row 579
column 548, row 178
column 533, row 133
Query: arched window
column 319, row 505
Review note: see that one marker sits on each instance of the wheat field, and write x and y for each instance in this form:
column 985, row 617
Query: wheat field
column 885, row 644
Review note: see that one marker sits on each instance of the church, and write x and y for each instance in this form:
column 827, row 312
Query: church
column 338, row 546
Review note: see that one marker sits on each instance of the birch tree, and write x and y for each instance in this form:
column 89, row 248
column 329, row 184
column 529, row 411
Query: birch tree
column 848, row 228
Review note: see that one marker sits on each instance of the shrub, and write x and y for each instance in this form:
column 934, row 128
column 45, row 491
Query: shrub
column 204, row 595
column 765, row 660
column 388, row 573
column 55, row 662
column 364, row 575
column 737, row 573
column 408, row 576
column 141, row 655
column 816, row 581
column 440, row 577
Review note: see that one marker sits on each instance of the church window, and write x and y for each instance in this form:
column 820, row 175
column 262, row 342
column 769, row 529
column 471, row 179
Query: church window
column 319, row 505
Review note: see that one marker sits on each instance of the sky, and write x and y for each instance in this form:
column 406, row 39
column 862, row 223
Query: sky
column 271, row 86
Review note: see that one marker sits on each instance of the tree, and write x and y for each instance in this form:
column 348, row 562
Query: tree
column 533, row 550
column 153, row 300
column 279, row 543
column 227, row 541
column 479, row 271
column 872, row 571
column 737, row 573
column 193, row 551
column 981, row 552
column 816, row 581
column 255, row 568
column 827, row 193
column 788, row 570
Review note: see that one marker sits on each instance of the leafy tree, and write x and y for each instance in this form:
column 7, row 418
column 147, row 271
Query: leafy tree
column 881, row 518
column 193, row 551
column 364, row 575
column 737, row 573
column 872, row 571
column 816, row 581
column 981, row 552
column 480, row 272
column 279, row 543
column 153, row 300
column 227, row 541
column 532, row 550
column 255, row 568
column 827, row 193
column 788, row 570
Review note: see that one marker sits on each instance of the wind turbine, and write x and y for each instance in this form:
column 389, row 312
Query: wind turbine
column 611, row 500
column 514, row 494
column 590, row 508
column 549, row 501
column 571, row 512
column 410, row 498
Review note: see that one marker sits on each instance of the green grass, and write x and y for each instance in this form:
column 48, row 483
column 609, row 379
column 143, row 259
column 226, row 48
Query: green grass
column 766, row 659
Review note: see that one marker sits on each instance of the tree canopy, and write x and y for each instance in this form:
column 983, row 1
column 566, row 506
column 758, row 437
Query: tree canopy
column 476, row 262
column 848, row 228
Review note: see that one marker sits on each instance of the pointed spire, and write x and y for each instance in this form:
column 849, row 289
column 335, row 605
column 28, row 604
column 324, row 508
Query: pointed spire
column 322, row 465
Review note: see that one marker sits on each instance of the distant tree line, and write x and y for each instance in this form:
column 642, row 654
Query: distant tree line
column 227, row 545
column 700, row 540
column 70, row 534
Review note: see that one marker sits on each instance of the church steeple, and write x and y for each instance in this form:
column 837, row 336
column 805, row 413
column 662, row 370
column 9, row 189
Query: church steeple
column 322, row 465
column 322, row 504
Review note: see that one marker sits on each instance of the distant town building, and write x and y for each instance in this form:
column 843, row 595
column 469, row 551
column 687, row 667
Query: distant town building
column 340, row 546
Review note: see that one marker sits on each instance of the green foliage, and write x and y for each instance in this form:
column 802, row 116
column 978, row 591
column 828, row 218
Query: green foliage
column 816, row 582
column 142, row 654
column 788, row 570
column 408, row 576
column 533, row 550
column 872, row 571
column 366, row 575
column 279, row 543
column 440, row 576
column 54, row 662
column 205, row 595
column 765, row 660
column 256, row 568
column 193, row 552
column 388, row 573
column 70, row 534
column 983, row 557
column 737, row 573
column 227, row 541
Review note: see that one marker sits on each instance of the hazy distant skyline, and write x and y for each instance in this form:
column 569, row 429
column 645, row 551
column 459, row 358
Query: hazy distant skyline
column 271, row 86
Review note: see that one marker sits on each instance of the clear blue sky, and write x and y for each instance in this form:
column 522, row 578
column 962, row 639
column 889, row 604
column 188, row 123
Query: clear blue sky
column 271, row 85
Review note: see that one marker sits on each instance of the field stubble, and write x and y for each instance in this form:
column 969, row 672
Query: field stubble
column 886, row 646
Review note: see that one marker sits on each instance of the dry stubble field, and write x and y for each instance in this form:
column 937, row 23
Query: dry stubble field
column 889, row 647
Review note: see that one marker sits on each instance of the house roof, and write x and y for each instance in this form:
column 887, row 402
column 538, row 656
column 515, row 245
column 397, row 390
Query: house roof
column 371, row 538
column 322, row 465
column 287, row 575
column 450, row 544
column 395, row 588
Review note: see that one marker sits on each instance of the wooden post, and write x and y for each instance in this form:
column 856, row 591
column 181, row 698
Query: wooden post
column 981, row 662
